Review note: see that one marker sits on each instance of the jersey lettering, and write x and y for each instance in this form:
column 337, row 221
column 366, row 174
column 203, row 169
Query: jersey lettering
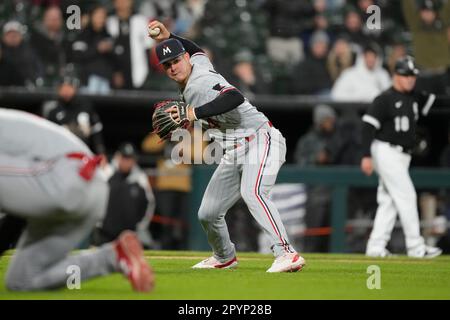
column 401, row 124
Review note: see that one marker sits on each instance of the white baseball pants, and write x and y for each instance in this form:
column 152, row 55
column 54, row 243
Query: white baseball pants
column 396, row 194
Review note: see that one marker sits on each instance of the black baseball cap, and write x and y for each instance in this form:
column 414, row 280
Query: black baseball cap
column 128, row 150
column 169, row 49
column 406, row 66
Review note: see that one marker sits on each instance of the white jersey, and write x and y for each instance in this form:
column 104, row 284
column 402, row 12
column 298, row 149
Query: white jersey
column 29, row 136
column 205, row 85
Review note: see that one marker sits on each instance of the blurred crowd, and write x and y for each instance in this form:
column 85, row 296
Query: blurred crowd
column 262, row 46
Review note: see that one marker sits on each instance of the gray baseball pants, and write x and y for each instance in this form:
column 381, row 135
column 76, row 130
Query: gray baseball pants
column 61, row 209
column 248, row 170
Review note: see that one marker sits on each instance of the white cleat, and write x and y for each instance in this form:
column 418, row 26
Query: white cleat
column 289, row 262
column 384, row 253
column 213, row 263
column 425, row 252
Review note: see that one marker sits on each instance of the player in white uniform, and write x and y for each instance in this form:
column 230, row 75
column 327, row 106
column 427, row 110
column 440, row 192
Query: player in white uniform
column 49, row 178
column 389, row 136
column 254, row 152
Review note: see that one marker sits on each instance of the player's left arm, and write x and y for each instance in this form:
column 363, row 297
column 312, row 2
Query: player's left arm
column 223, row 103
column 228, row 99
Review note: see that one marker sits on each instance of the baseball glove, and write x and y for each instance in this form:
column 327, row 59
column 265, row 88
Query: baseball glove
column 163, row 122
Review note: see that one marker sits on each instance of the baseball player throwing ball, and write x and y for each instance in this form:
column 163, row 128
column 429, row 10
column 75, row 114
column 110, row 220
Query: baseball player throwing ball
column 49, row 178
column 389, row 136
column 211, row 99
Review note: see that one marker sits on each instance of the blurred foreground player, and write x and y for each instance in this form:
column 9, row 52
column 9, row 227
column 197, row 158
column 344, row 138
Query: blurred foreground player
column 389, row 137
column 49, row 178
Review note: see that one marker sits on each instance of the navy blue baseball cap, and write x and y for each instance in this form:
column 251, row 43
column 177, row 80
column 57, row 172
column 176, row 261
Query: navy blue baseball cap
column 406, row 66
column 169, row 49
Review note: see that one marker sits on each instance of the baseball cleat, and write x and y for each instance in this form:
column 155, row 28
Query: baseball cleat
column 213, row 263
column 425, row 252
column 130, row 257
column 289, row 262
column 384, row 253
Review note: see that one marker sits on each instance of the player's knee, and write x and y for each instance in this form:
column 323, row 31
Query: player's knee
column 206, row 216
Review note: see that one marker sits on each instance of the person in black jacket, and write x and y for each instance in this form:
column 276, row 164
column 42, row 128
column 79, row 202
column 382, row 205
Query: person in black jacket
column 287, row 20
column 314, row 68
column 77, row 114
column 131, row 202
column 51, row 45
column 19, row 65
column 92, row 51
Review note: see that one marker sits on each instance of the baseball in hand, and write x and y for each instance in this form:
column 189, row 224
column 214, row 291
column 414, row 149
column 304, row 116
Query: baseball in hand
column 154, row 32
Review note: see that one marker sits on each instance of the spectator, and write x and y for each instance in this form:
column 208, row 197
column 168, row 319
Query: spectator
column 311, row 76
column 93, row 51
column 428, row 25
column 325, row 16
column 245, row 77
column 19, row 65
column 131, row 202
column 50, row 45
column 340, row 58
column 345, row 147
column 287, row 20
column 364, row 81
column 77, row 115
column 132, row 45
column 189, row 14
column 310, row 151
column 353, row 30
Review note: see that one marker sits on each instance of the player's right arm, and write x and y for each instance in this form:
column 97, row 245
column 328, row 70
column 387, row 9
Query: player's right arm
column 371, row 123
column 191, row 47
column 165, row 34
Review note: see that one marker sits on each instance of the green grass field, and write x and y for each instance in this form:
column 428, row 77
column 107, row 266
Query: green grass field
column 326, row 276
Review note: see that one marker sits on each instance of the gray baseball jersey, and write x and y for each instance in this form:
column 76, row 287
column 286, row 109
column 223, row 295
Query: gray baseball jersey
column 203, row 86
column 29, row 136
column 238, row 174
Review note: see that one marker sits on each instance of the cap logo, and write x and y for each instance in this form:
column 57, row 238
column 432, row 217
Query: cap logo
column 410, row 64
column 166, row 50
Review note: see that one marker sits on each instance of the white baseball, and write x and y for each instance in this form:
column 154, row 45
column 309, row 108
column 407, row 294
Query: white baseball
column 154, row 32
